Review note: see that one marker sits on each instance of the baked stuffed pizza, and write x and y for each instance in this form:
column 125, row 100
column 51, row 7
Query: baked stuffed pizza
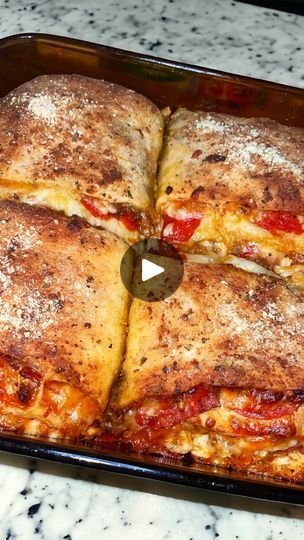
column 63, row 313
column 234, row 185
column 217, row 370
column 82, row 146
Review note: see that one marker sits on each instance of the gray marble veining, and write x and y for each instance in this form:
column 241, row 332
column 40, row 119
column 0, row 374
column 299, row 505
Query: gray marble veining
column 53, row 502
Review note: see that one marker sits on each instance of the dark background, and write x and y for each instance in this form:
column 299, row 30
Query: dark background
column 291, row 6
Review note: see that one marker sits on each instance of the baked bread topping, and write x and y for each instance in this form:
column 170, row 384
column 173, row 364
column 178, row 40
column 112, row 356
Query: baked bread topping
column 82, row 146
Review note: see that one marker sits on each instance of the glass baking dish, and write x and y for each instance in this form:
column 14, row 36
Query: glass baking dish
column 165, row 82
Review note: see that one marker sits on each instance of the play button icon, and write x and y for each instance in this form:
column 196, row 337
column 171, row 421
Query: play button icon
column 149, row 270
column 156, row 268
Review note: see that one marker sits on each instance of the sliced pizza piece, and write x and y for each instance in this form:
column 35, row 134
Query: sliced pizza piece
column 82, row 146
column 234, row 185
column 63, row 312
column 217, row 370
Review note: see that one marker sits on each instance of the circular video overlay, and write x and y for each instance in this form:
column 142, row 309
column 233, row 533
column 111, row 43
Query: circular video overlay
column 157, row 269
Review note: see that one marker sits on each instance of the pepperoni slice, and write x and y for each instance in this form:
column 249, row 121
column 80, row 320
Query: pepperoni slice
column 173, row 411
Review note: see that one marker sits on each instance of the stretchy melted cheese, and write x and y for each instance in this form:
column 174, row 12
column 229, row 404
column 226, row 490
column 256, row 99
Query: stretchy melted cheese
column 234, row 185
column 82, row 146
column 217, row 370
column 63, row 311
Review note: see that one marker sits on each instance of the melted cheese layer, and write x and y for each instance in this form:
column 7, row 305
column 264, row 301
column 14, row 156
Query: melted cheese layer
column 61, row 200
column 224, row 231
column 44, row 407
column 270, row 444
column 217, row 446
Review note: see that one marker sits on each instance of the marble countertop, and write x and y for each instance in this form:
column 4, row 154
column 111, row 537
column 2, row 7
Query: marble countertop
column 221, row 34
column 53, row 502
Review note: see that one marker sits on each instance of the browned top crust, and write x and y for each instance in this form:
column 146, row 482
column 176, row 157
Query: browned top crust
column 223, row 327
column 225, row 159
column 63, row 307
column 85, row 135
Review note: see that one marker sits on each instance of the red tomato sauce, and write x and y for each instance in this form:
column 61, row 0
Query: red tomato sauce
column 274, row 221
column 176, row 409
column 126, row 216
column 182, row 229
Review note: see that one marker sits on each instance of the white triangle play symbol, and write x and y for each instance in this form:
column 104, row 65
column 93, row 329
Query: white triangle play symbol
column 150, row 269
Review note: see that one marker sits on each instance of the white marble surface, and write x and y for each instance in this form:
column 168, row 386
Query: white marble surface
column 222, row 34
column 52, row 502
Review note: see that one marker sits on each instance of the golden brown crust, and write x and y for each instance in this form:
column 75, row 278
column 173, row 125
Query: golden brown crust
column 223, row 159
column 222, row 327
column 85, row 135
column 63, row 307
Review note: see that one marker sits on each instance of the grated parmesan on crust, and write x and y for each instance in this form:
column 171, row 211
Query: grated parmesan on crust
column 42, row 107
column 240, row 143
